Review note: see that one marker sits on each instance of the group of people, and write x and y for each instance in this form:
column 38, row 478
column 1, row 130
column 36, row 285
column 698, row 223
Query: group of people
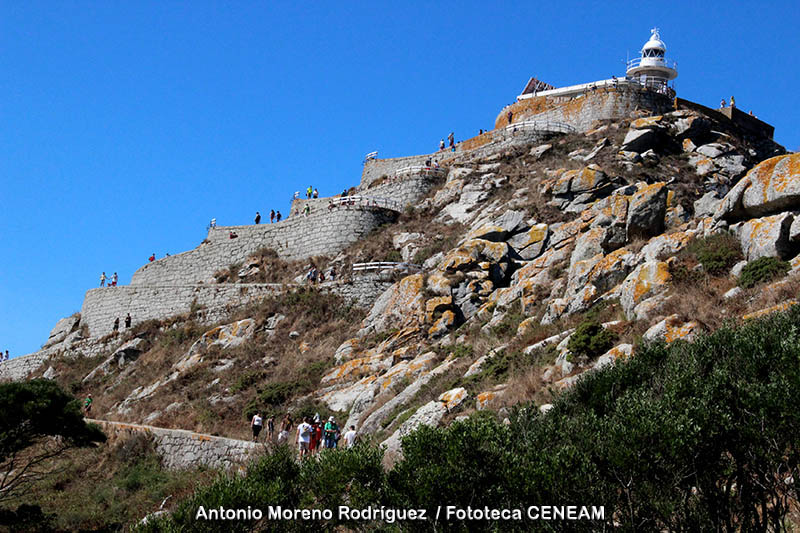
column 451, row 139
column 128, row 321
column 274, row 216
column 311, row 434
column 3, row 357
column 314, row 275
column 723, row 103
column 112, row 282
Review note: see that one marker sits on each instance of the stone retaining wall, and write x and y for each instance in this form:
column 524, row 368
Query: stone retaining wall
column 322, row 233
column 216, row 301
column 582, row 111
column 180, row 448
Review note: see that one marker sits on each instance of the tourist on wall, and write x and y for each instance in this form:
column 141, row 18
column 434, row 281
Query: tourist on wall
column 128, row 320
column 271, row 216
column 258, row 217
column 103, row 279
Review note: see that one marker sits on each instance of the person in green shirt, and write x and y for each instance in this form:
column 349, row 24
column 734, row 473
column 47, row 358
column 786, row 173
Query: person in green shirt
column 87, row 405
column 331, row 433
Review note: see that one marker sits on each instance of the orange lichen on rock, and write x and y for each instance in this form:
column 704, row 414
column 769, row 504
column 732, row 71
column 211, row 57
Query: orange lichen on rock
column 647, row 122
column 783, row 306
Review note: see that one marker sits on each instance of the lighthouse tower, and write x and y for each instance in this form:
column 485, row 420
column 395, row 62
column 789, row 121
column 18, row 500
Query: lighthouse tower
column 652, row 69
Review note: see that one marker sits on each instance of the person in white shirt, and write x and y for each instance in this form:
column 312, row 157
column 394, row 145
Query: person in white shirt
column 256, row 424
column 350, row 437
column 304, row 438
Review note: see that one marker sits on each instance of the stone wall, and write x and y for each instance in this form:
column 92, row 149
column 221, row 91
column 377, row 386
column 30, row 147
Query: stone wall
column 406, row 189
column 179, row 448
column 582, row 111
column 216, row 301
column 321, row 233
column 471, row 149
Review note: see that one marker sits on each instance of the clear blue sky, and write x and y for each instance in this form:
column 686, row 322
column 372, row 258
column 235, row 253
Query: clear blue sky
column 128, row 125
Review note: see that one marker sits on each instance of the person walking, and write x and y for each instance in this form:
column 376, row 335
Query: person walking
column 278, row 216
column 309, row 191
column 114, row 279
column 451, row 139
column 304, row 438
column 87, row 405
column 350, row 437
column 128, row 321
column 271, row 216
column 441, row 144
column 116, row 324
column 316, row 193
column 152, row 257
column 733, row 102
column 306, row 211
column 103, row 279
column 258, row 218
column 510, row 116
column 256, row 424
column 723, row 103
column 270, row 428
column 331, row 429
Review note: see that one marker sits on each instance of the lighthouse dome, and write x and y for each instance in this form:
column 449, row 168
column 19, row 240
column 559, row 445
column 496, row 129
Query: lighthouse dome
column 655, row 42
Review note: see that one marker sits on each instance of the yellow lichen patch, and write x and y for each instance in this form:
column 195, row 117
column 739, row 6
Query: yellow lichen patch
column 783, row 306
column 526, row 326
column 445, row 322
column 304, row 347
column 354, row 369
column 688, row 145
column 439, row 283
column 647, row 122
column 650, row 276
column 609, row 263
column 585, row 179
column 483, row 399
column 477, row 141
column 670, row 198
column 676, row 329
column 486, row 232
column 620, row 352
column 436, row 305
column 453, row 398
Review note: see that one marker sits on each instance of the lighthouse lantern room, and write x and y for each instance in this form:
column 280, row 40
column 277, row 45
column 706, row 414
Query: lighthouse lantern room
column 652, row 69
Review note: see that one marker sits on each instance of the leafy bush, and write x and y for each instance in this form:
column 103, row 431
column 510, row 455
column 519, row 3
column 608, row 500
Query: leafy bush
column 591, row 339
column 717, row 253
column 761, row 270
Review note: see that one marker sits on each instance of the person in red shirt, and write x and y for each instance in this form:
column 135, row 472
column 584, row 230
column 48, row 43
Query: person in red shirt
column 152, row 258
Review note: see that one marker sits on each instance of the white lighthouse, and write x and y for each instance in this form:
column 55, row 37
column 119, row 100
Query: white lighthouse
column 652, row 69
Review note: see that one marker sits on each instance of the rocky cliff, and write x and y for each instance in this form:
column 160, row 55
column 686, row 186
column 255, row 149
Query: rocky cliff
column 539, row 255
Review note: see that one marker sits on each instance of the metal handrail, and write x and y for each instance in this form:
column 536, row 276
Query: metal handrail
column 669, row 63
column 385, row 265
column 539, row 125
column 419, row 168
column 365, row 201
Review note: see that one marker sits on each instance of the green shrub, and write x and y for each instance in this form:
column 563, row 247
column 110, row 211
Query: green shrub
column 761, row 270
column 462, row 350
column 717, row 253
column 591, row 339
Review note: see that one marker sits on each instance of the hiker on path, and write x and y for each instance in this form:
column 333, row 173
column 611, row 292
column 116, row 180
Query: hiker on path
column 350, row 437
column 271, row 216
column 510, row 116
column 733, row 102
column 278, row 216
column 451, row 139
column 103, row 279
column 331, row 430
column 256, row 424
column 304, row 438
column 127, row 321
column 114, row 279
column 441, row 144
column 258, row 217
column 270, row 428
column 87, row 405
column 316, row 193
column 116, row 324
column 152, row 257
column 306, row 211
column 309, row 191
column 722, row 103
